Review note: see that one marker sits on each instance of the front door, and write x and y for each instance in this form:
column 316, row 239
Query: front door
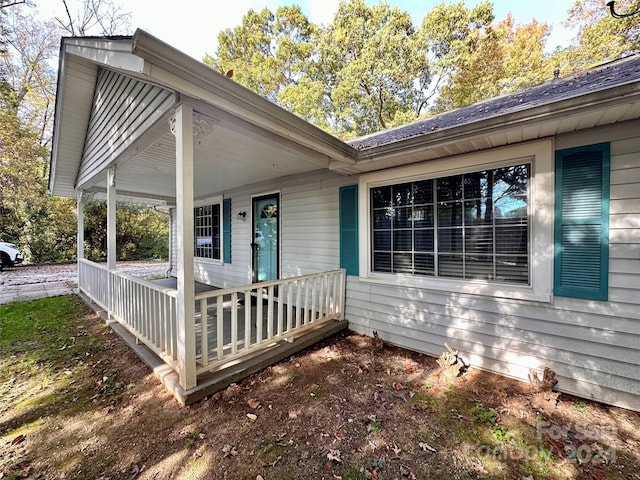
column 265, row 246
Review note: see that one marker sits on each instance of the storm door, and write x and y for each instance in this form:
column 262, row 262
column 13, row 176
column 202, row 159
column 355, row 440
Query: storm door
column 265, row 245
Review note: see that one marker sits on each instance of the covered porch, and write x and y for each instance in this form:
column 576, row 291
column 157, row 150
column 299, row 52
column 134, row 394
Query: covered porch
column 136, row 120
column 234, row 331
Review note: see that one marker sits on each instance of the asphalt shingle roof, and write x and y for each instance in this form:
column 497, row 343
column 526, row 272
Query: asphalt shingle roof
column 602, row 77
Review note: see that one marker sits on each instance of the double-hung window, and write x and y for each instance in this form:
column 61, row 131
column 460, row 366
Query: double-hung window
column 207, row 225
column 470, row 226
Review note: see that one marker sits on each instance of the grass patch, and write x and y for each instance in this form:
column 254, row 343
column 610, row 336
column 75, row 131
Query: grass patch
column 47, row 323
column 38, row 340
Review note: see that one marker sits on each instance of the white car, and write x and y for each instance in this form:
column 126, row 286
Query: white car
column 9, row 255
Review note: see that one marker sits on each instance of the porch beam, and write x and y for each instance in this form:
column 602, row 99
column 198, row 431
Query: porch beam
column 111, row 232
column 184, row 224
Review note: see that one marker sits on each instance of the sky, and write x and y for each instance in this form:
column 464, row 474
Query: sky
column 192, row 26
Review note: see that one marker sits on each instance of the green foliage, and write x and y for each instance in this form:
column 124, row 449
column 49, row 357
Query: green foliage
column 141, row 232
column 505, row 58
column 500, row 433
column 451, row 34
column 370, row 69
column 268, row 52
column 600, row 37
column 358, row 75
column 483, row 415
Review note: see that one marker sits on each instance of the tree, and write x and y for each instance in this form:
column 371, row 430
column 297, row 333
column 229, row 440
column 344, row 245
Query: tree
column 358, row 75
column 450, row 34
column 507, row 57
column 31, row 47
column 268, row 52
column 600, row 36
column 95, row 17
column 373, row 70
column 45, row 226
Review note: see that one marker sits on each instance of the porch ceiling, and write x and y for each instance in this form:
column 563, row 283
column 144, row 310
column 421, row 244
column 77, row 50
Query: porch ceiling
column 227, row 156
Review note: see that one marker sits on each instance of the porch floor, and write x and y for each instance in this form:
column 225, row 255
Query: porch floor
column 172, row 282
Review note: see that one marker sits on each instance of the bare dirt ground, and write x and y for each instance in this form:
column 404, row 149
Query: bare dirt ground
column 349, row 408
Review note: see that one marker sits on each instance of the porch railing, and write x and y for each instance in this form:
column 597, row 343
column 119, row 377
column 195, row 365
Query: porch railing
column 144, row 308
column 229, row 323
column 93, row 279
column 149, row 312
column 235, row 321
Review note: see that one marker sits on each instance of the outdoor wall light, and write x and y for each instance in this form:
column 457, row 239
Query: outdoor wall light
column 615, row 14
column 242, row 216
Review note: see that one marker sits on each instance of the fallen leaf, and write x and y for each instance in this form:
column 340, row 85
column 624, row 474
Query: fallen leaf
column 426, row 446
column 558, row 446
column 334, row 455
column 17, row 439
column 254, row 403
column 405, row 472
column 396, row 449
column 229, row 451
column 398, row 386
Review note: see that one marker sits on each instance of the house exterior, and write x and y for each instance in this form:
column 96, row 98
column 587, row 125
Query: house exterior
column 509, row 229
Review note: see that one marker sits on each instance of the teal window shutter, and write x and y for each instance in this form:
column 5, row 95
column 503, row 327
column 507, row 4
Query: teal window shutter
column 581, row 260
column 226, row 229
column 349, row 229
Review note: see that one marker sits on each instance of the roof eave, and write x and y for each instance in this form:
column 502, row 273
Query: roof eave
column 603, row 98
column 114, row 52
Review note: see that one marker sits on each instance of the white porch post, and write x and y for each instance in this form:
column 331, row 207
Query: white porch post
column 80, row 236
column 111, row 231
column 184, row 224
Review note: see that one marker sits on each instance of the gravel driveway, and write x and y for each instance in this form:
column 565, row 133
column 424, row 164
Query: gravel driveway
column 29, row 282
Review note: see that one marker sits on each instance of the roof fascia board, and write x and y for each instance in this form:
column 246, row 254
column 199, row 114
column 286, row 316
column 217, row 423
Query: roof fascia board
column 611, row 97
column 197, row 80
column 57, row 113
column 115, row 54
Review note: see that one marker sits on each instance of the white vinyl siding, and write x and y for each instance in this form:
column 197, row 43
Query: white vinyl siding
column 309, row 229
column 123, row 108
column 593, row 346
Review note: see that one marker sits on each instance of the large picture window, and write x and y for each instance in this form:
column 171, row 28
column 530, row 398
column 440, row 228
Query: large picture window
column 466, row 226
column 207, row 225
